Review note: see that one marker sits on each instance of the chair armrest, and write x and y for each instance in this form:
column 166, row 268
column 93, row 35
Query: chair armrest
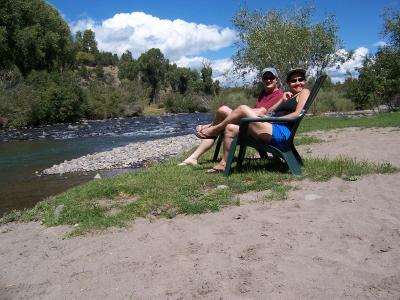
column 268, row 119
column 244, row 123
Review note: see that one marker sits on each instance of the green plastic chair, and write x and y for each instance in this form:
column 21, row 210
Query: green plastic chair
column 286, row 152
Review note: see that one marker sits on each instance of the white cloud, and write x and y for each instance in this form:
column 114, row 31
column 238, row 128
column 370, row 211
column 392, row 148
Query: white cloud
column 182, row 42
column 380, row 44
column 222, row 70
column 341, row 71
column 138, row 32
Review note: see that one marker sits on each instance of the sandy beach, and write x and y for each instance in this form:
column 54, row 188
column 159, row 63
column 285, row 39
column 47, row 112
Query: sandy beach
column 330, row 240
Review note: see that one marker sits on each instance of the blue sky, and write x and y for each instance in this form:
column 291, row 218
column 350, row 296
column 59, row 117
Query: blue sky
column 189, row 32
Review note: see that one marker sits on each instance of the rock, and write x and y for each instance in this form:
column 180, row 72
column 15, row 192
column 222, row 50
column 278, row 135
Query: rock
column 98, row 176
column 58, row 211
column 311, row 197
column 127, row 156
column 222, row 187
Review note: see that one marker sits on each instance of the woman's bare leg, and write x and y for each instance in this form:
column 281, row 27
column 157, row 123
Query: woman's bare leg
column 204, row 146
column 221, row 114
column 233, row 118
column 258, row 130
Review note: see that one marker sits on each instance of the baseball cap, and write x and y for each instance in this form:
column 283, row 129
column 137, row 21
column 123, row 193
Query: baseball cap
column 271, row 70
column 301, row 71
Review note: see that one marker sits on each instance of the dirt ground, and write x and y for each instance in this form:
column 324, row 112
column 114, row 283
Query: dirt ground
column 331, row 240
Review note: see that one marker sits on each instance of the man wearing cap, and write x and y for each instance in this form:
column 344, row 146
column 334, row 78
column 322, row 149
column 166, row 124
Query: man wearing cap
column 266, row 101
column 271, row 94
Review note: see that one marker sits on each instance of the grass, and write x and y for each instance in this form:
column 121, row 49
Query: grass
column 153, row 110
column 165, row 189
column 391, row 119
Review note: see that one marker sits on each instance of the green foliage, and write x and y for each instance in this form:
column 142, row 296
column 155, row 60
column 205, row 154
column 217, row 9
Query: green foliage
column 33, row 36
column 284, row 39
column 178, row 103
column 105, row 101
column 379, row 79
column 106, row 59
column 391, row 119
column 153, row 67
column 43, row 98
column 61, row 99
column 206, row 77
column 331, row 100
column 128, row 67
column 233, row 97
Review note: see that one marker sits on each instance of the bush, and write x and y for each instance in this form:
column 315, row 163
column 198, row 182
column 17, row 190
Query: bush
column 43, row 98
column 17, row 106
column 106, row 101
column 233, row 98
column 332, row 100
column 178, row 103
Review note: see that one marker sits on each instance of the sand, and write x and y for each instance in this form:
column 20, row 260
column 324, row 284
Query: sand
column 331, row 240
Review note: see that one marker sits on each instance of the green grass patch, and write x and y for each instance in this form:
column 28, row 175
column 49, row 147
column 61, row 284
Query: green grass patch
column 306, row 140
column 165, row 189
column 391, row 119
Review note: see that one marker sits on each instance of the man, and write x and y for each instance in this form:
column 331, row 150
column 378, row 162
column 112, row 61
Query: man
column 270, row 95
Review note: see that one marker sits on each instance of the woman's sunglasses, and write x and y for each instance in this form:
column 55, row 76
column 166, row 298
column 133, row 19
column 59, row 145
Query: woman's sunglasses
column 294, row 80
column 270, row 78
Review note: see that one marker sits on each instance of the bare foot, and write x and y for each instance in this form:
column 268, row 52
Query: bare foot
column 216, row 169
column 188, row 162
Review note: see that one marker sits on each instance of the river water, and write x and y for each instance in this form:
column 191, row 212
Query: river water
column 25, row 152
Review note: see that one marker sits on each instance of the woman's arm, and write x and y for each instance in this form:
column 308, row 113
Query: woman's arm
column 273, row 107
column 301, row 101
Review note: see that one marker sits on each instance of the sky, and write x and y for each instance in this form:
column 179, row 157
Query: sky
column 190, row 33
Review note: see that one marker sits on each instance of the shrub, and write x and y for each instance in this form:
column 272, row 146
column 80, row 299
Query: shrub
column 332, row 100
column 233, row 98
column 177, row 103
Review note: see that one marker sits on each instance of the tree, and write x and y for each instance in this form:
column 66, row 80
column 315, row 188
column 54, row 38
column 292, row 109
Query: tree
column 379, row 77
column 206, row 77
column 86, row 48
column 153, row 68
column 128, row 66
column 33, row 36
column 284, row 39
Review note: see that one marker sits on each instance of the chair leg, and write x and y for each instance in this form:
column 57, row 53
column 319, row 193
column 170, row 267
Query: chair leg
column 218, row 147
column 241, row 155
column 263, row 154
column 292, row 162
column 297, row 155
column 230, row 157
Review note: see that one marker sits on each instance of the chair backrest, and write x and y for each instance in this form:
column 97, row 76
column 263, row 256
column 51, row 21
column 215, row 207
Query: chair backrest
column 314, row 91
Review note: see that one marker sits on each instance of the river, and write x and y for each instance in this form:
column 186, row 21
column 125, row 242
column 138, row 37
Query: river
column 24, row 153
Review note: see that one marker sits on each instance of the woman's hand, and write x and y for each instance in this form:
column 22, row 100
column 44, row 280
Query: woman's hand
column 287, row 96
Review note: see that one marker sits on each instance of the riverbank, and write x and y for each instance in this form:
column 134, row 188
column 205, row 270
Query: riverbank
column 329, row 240
column 128, row 156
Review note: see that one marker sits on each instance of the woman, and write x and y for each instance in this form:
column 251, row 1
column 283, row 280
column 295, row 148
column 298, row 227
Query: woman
column 267, row 99
column 289, row 106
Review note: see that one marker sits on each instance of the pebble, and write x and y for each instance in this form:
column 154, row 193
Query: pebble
column 128, row 156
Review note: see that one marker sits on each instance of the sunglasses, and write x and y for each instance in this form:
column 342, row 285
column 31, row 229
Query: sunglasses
column 270, row 78
column 294, row 80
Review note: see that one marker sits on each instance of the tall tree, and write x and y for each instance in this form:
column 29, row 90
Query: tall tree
column 285, row 39
column 206, row 76
column 128, row 66
column 153, row 68
column 379, row 79
column 33, row 35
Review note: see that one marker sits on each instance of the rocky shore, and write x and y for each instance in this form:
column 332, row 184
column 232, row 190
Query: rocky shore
column 130, row 155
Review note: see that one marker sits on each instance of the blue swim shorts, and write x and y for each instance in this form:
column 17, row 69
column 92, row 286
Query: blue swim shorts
column 280, row 134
